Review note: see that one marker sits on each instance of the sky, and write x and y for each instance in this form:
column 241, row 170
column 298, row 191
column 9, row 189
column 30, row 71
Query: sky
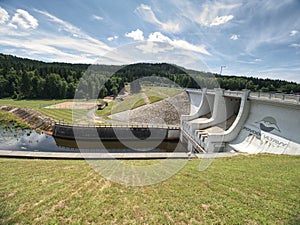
column 249, row 38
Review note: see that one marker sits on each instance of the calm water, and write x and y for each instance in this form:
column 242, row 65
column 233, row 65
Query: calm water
column 30, row 140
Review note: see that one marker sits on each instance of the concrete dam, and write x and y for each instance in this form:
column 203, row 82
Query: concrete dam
column 241, row 121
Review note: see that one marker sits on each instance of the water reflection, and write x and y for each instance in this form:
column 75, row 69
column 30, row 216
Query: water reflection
column 31, row 140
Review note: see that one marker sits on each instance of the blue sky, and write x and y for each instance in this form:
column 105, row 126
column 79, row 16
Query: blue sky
column 251, row 38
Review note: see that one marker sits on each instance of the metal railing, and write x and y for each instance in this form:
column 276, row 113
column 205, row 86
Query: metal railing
column 268, row 96
column 276, row 97
column 160, row 126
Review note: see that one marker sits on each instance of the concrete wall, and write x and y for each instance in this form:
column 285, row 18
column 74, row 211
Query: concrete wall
column 263, row 124
column 223, row 108
column 195, row 100
column 270, row 127
column 114, row 133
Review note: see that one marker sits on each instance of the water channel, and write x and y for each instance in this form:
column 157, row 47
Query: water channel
column 31, row 140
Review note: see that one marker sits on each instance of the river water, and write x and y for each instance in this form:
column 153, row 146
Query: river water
column 31, row 140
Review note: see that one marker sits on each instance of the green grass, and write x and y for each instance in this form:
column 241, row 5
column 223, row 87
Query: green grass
column 33, row 104
column 154, row 94
column 161, row 91
column 139, row 103
column 8, row 119
column 104, row 113
column 153, row 99
column 64, row 115
column 131, row 102
column 254, row 189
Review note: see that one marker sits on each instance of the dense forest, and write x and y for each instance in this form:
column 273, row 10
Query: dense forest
column 30, row 79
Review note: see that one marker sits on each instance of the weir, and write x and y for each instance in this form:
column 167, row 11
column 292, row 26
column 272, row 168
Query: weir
column 241, row 121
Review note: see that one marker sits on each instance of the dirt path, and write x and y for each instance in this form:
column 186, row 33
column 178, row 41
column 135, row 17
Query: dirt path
column 147, row 101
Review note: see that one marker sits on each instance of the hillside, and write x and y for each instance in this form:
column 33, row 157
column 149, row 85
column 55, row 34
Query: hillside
column 30, row 79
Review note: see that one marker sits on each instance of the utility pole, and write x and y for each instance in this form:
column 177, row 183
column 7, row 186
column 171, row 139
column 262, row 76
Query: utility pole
column 222, row 69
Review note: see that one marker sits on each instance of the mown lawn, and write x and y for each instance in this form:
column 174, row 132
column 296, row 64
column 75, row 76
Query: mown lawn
column 254, row 189
column 63, row 115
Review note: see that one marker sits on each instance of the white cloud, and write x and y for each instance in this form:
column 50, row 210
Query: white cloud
column 67, row 44
column 3, row 16
column 234, row 37
column 257, row 60
column 136, row 35
column 95, row 17
column 293, row 32
column 24, row 20
column 112, row 38
column 221, row 20
column 172, row 43
column 295, row 45
column 210, row 15
column 75, row 31
column 148, row 15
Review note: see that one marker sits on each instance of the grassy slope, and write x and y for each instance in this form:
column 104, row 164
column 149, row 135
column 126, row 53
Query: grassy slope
column 38, row 105
column 258, row 189
column 154, row 94
column 8, row 119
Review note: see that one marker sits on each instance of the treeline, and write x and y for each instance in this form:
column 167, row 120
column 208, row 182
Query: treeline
column 258, row 84
column 29, row 79
column 24, row 78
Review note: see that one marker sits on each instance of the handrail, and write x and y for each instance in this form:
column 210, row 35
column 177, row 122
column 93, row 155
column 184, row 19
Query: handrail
column 269, row 96
column 120, row 126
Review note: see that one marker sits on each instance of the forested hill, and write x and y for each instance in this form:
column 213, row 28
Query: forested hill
column 25, row 78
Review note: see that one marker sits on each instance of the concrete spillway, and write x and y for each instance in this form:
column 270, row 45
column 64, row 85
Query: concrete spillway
column 242, row 121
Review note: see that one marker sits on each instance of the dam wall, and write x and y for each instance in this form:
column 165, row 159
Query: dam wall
column 111, row 133
column 243, row 121
column 271, row 127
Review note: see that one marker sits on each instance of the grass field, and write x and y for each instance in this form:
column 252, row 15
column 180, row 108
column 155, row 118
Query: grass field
column 64, row 115
column 254, row 189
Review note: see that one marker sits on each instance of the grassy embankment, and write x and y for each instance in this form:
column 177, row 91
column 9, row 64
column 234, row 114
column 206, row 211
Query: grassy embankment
column 8, row 120
column 153, row 94
column 39, row 105
column 254, row 189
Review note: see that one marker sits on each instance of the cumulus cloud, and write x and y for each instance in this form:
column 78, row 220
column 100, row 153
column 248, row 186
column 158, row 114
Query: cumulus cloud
column 158, row 37
column 112, row 38
column 148, row 15
column 67, row 44
column 136, row 35
column 293, row 32
column 24, row 20
column 234, row 37
column 3, row 16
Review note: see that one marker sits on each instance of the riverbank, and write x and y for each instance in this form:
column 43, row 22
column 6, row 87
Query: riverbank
column 8, row 120
column 31, row 118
